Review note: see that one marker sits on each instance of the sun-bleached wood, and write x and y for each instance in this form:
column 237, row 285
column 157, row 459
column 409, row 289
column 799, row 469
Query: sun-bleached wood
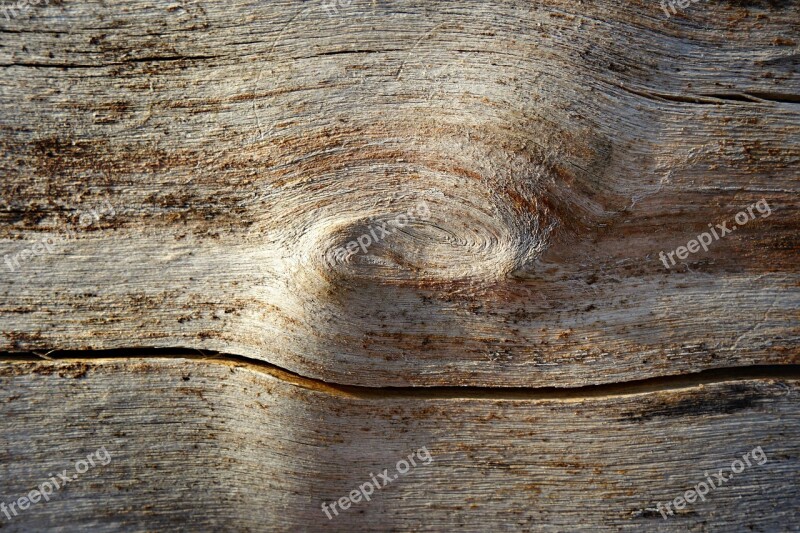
column 229, row 149
column 559, row 145
column 200, row 444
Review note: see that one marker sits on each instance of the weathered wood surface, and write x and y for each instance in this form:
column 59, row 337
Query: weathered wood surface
column 209, row 160
column 559, row 145
column 204, row 445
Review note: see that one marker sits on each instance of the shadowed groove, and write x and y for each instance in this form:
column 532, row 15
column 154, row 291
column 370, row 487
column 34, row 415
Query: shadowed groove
column 639, row 386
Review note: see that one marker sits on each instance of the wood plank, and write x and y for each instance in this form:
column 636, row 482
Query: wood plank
column 559, row 147
column 200, row 444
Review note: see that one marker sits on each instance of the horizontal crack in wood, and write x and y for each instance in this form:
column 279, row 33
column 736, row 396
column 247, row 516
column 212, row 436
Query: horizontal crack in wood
column 627, row 388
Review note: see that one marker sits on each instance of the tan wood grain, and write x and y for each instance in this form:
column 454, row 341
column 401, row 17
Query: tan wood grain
column 201, row 444
column 560, row 146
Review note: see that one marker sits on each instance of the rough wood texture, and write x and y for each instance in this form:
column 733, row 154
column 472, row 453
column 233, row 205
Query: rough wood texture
column 203, row 444
column 209, row 161
column 559, row 145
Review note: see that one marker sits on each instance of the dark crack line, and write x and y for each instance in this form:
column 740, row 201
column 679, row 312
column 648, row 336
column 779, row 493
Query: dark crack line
column 752, row 97
column 149, row 59
column 627, row 388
